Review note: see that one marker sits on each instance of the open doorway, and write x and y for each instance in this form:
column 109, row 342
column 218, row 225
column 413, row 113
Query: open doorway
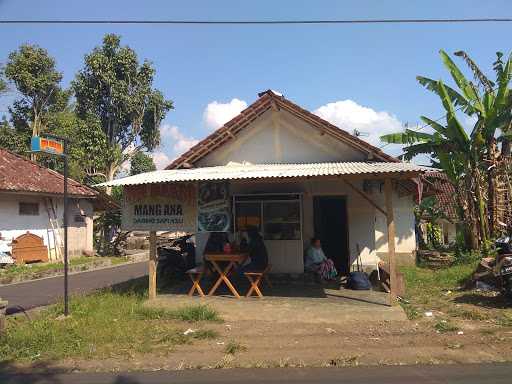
column 330, row 221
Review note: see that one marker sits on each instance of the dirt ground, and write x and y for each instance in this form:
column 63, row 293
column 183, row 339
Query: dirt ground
column 294, row 337
column 269, row 344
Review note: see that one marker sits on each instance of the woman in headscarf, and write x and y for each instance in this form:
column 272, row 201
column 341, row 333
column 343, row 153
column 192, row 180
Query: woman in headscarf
column 317, row 262
column 257, row 252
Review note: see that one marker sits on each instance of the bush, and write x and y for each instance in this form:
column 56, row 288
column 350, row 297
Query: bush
column 463, row 257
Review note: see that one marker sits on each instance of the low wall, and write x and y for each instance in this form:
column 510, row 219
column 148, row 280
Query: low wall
column 402, row 258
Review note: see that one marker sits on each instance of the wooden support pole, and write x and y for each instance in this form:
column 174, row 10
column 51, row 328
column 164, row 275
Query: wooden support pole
column 364, row 196
column 152, row 264
column 388, row 192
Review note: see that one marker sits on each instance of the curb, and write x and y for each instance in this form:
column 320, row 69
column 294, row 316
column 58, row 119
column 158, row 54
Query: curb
column 72, row 273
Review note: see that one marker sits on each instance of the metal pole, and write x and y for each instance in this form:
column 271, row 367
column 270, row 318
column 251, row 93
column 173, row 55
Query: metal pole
column 65, row 222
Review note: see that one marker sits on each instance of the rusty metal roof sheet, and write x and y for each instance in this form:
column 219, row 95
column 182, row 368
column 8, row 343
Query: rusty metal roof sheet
column 18, row 174
column 241, row 171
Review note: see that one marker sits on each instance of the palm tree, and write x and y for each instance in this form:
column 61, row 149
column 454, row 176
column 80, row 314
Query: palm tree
column 468, row 160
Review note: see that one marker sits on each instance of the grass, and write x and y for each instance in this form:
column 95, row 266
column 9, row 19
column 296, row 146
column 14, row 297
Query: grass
column 440, row 290
column 189, row 313
column 233, row 347
column 443, row 326
column 105, row 324
column 35, row 270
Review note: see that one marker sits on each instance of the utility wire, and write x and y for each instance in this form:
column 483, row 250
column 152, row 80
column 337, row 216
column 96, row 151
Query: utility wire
column 263, row 22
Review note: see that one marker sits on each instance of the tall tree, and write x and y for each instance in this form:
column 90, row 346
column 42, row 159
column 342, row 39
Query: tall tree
column 140, row 163
column 116, row 90
column 33, row 72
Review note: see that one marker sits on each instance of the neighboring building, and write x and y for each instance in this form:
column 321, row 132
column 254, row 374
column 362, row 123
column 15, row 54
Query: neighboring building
column 31, row 200
column 436, row 183
column 295, row 176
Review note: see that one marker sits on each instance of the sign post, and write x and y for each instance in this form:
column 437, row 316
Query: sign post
column 56, row 145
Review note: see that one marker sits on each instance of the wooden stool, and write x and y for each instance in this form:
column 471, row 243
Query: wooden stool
column 255, row 280
column 195, row 275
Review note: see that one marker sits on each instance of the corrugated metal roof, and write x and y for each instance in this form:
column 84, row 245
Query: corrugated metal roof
column 237, row 171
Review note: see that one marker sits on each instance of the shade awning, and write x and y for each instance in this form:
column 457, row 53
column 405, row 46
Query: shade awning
column 242, row 171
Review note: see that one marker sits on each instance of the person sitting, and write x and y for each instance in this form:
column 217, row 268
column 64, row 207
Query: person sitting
column 257, row 252
column 317, row 262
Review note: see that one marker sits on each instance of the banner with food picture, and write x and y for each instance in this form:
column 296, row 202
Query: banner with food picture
column 214, row 213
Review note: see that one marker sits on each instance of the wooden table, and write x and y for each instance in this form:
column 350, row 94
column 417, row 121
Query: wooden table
column 233, row 259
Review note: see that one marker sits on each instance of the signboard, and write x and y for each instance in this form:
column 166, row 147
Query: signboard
column 214, row 213
column 160, row 207
column 47, row 144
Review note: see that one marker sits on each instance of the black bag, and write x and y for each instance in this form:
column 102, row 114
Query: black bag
column 358, row 281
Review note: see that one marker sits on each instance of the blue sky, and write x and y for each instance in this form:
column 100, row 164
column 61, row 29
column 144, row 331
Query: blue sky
column 366, row 72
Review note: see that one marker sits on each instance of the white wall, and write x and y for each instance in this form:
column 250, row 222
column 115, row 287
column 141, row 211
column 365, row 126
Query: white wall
column 366, row 225
column 12, row 224
column 280, row 137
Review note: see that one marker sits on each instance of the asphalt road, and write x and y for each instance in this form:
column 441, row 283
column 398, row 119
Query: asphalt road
column 36, row 293
column 434, row 374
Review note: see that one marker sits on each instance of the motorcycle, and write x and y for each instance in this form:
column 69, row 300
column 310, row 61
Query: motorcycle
column 503, row 266
column 175, row 257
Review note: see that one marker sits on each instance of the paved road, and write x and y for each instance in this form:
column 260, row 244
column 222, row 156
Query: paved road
column 453, row 374
column 41, row 292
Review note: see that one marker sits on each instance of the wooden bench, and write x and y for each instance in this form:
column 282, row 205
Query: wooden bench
column 255, row 280
column 196, row 274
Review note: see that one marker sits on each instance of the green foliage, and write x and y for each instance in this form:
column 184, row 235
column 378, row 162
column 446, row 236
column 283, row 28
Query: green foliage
column 190, row 313
column 12, row 140
column 3, row 83
column 103, row 325
column 465, row 158
column 443, row 326
column 33, row 72
column 116, row 90
column 467, row 257
column 233, row 347
column 140, row 163
column 434, row 235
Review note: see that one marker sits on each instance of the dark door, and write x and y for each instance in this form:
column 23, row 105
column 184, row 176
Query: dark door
column 330, row 217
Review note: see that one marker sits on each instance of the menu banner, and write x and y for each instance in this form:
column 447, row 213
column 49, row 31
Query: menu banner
column 214, row 213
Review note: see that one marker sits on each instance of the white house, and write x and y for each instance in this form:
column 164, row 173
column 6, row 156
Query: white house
column 31, row 200
column 294, row 176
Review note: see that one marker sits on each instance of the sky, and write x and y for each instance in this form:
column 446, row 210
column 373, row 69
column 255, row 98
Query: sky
column 360, row 77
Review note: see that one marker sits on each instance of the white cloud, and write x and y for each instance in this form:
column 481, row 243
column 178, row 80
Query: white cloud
column 180, row 142
column 160, row 159
column 173, row 143
column 350, row 116
column 217, row 114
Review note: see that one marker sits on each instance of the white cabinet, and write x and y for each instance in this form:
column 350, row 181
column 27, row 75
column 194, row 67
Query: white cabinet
column 286, row 256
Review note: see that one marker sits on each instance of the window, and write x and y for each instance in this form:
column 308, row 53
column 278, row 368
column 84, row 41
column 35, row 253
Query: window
column 29, row 209
column 281, row 220
column 79, row 219
column 248, row 214
column 276, row 216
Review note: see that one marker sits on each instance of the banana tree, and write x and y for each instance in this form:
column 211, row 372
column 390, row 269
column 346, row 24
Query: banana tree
column 467, row 159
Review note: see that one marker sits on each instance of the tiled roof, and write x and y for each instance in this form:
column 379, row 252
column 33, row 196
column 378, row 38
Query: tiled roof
column 18, row 174
column 441, row 187
column 238, row 171
column 270, row 99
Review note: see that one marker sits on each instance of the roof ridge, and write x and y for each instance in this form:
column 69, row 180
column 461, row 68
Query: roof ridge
column 245, row 117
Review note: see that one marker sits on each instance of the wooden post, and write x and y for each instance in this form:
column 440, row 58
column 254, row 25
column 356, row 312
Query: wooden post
column 388, row 192
column 152, row 264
